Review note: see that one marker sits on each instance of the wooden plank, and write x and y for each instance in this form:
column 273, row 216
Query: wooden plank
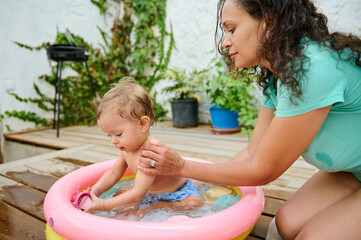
column 1, row 156
column 303, row 164
column 200, row 134
column 41, row 141
column 249, row 237
column 272, row 205
column 95, row 132
column 71, row 138
column 45, row 156
column 75, row 139
column 210, row 150
column 41, row 174
column 45, row 137
column 261, row 227
column 63, row 141
column 109, row 150
column 300, row 172
column 278, row 192
column 26, row 131
column 22, row 197
column 204, row 135
column 42, row 171
column 289, row 181
column 205, row 156
column 84, row 129
column 14, row 150
column 223, row 146
column 66, row 139
column 167, row 126
column 15, row 224
column 90, row 156
column 41, row 182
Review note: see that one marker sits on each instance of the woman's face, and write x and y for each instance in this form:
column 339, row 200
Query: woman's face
column 242, row 35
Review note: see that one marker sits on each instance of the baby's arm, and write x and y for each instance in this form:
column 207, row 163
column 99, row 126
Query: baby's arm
column 141, row 186
column 110, row 177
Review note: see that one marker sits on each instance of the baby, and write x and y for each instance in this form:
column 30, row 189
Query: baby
column 125, row 114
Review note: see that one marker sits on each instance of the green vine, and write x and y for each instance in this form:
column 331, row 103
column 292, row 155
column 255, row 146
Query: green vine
column 134, row 47
column 27, row 116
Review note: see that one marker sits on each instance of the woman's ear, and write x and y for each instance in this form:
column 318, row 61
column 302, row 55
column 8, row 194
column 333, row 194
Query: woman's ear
column 268, row 24
column 144, row 123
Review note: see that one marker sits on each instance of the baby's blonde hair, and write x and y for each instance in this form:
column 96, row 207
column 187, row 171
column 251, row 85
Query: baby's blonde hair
column 131, row 100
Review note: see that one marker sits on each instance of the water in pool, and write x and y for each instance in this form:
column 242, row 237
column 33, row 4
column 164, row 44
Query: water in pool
column 217, row 198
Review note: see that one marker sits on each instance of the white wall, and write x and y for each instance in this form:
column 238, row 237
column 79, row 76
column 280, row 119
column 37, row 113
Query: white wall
column 33, row 22
column 343, row 16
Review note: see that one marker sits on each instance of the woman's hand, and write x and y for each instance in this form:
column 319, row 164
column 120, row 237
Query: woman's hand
column 167, row 160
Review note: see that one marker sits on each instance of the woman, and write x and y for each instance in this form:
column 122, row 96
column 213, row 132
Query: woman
column 311, row 106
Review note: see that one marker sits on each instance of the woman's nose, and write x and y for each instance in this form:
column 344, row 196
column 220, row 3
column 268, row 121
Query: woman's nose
column 226, row 42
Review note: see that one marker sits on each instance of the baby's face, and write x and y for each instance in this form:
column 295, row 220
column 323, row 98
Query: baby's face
column 126, row 135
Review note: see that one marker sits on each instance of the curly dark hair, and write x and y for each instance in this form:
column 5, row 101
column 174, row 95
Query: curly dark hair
column 287, row 22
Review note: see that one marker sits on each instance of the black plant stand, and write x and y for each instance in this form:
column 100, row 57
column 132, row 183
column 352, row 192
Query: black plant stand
column 61, row 53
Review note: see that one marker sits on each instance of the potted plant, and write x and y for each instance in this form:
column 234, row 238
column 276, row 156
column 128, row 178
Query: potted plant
column 232, row 103
column 187, row 88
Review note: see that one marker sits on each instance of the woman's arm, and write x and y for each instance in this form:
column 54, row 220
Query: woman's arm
column 170, row 163
column 275, row 146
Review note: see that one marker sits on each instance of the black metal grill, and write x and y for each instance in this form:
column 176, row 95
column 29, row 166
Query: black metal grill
column 61, row 53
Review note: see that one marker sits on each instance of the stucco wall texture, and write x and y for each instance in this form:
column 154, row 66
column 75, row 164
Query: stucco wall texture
column 34, row 22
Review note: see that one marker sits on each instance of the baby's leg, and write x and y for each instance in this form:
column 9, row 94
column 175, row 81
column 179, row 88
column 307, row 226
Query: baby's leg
column 186, row 204
column 127, row 212
column 192, row 202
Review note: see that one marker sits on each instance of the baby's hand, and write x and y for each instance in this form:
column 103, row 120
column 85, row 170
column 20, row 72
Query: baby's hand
column 98, row 204
column 81, row 200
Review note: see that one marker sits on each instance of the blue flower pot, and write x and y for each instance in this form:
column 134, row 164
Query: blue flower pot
column 224, row 120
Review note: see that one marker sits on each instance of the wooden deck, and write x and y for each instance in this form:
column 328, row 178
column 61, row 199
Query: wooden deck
column 24, row 183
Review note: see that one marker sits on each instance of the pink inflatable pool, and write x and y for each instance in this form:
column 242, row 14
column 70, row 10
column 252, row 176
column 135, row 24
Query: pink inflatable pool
column 64, row 221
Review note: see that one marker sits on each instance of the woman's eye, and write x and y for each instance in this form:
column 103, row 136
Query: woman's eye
column 108, row 135
column 230, row 30
column 118, row 135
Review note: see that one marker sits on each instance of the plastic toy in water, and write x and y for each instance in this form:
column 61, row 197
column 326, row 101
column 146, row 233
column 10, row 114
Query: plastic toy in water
column 64, row 221
column 81, row 199
column 225, row 201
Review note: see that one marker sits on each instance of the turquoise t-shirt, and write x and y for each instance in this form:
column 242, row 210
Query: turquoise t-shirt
column 328, row 80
